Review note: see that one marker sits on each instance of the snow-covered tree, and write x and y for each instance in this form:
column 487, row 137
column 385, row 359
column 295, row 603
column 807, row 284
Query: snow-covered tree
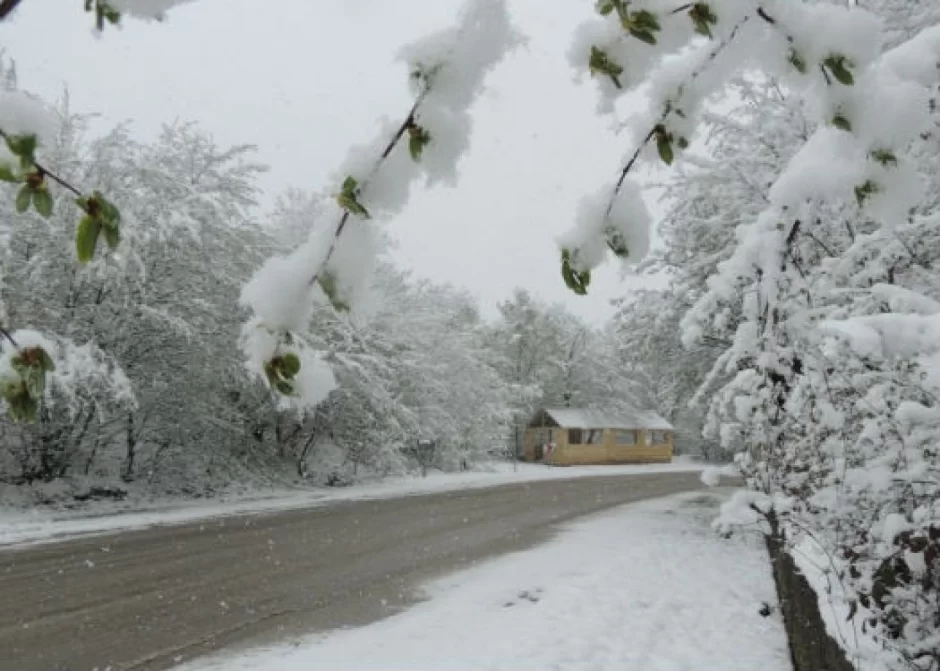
column 647, row 332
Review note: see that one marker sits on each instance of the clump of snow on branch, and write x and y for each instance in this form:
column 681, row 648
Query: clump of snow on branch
column 281, row 292
column 711, row 476
column 447, row 71
column 24, row 114
column 146, row 9
column 609, row 219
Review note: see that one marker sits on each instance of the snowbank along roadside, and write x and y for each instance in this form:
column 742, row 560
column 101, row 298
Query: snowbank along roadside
column 19, row 528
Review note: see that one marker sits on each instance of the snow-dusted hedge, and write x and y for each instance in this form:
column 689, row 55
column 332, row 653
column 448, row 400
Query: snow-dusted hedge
column 822, row 303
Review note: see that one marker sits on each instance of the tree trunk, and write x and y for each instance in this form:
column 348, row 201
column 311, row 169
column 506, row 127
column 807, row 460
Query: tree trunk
column 302, row 459
column 279, row 437
column 129, row 462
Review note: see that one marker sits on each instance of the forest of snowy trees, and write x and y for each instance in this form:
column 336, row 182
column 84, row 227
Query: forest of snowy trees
column 155, row 391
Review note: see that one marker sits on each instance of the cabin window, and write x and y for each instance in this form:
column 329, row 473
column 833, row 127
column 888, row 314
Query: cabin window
column 659, row 437
column 585, row 436
column 627, row 438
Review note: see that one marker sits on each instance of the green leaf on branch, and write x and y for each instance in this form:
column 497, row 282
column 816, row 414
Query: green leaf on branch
column 291, row 364
column 7, row 174
column 885, row 157
column 24, row 147
column 842, row 122
column 103, row 209
column 280, row 372
column 33, row 357
column 42, row 201
column 33, row 378
column 606, row 7
column 642, row 24
column 104, row 13
column 418, row 139
column 576, row 280
column 21, row 406
column 348, row 198
column 703, row 18
column 865, row 191
column 600, row 62
column 664, row 144
column 22, row 396
column 327, row 281
column 797, row 62
column 839, row 66
column 643, row 36
column 111, row 15
column 100, row 216
column 86, row 238
column 112, row 236
column 24, row 199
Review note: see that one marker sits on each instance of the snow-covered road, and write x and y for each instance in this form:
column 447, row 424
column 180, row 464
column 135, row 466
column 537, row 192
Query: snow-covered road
column 149, row 599
column 646, row 587
column 46, row 525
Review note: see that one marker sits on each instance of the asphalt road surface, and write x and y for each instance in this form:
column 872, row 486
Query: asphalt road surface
column 153, row 598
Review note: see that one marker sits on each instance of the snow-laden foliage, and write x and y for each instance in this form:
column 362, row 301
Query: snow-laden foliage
column 801, row 252
column 446, row 73
column 33, row 362
column 667, row 375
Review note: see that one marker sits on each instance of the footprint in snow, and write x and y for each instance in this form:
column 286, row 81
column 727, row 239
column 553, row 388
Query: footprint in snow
column 532, row 596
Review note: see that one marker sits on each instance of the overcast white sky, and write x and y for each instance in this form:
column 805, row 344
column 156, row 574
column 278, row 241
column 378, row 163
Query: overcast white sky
column 304, row 79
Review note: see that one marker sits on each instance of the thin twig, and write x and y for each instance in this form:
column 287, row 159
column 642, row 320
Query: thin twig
column 44, row 171
column 652, row 133
column 409, row 122
column 762, row 13
column 6, row 334
column 819, row 242
column 627, row 168
column 58, row 180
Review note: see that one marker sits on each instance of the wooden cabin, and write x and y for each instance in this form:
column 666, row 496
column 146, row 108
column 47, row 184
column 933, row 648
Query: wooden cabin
column 570, row 436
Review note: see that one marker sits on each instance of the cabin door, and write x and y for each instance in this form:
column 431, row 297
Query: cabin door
column 542, row 438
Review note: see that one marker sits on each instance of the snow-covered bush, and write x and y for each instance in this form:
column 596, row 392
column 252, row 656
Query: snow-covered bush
column 813, row 227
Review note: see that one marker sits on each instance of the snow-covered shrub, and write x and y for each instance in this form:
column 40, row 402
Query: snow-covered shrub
column 815, row 237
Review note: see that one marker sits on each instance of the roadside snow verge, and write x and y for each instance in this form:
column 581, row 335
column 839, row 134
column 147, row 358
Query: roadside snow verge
column 842, row 625
column 20, row 528
column 645, row 587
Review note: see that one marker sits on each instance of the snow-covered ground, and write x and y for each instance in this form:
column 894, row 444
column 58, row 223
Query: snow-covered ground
column 646, row 587
column 861, row 648
column 19, row 527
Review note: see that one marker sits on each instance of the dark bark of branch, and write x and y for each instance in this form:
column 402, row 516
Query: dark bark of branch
column 7, row 7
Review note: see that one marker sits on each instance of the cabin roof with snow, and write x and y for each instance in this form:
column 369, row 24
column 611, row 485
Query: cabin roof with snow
column 581, row 418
